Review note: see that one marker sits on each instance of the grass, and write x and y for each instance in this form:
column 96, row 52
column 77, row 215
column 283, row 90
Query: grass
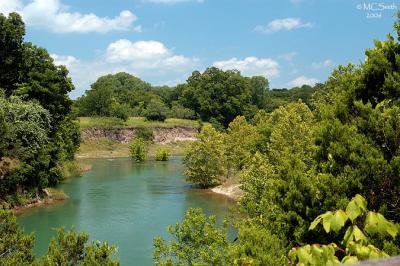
column 73, row 168
column 112, row 122
column 102, row 148
column 106, row 148
column 55, row 194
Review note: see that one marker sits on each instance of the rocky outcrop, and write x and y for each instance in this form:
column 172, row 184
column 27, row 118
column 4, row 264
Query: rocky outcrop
column 124, row 135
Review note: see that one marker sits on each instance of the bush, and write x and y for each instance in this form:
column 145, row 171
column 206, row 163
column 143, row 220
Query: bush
column 138, row 150
column 178, row 111
column 156, row 110
column 120, row 110
column 144, row 133
column 162, row 154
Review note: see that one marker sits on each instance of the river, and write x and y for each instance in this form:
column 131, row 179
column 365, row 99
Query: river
column 125, row 204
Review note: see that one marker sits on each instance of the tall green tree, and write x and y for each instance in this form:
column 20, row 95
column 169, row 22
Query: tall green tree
column 217, row 96
column 40, row 134
column 259, row 91
column 205, row 159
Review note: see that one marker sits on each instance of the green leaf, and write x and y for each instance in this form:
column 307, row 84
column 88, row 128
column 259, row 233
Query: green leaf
column 356, row 207
column 354, row 234
column 315, row 222
column 376, row 223
column 349, row 259
column 326, row 221
column 338, row 220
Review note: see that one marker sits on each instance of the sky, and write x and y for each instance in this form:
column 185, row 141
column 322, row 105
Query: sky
column 290, row 42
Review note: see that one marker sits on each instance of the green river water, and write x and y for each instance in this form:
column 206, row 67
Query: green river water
column 125, row 204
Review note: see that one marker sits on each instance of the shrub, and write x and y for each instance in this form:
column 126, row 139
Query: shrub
column 144, row 133
column 138, row 150
column 178, row 111
column 156, row 110
column 162, row 154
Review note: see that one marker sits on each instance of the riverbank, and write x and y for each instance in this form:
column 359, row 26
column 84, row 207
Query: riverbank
column 105, row 137
column 24, row 200
column 104, row 148
column 229, row 188
column 231, row 191
column 48, row 196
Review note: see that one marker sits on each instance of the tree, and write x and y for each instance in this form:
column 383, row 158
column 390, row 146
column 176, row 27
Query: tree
column 15, row 246
column 259, row 91
column 256, row 245
column 239, row 142
column 156, row 110
column 25, row 138
column 71, row 248
column 196, row 241
column 291, row 143
column 216, row 94
column 11, row 42
column 116, row 95
column 178, row 111
column 39, row 133
column 119, row 110
column 357, row 140
column 205, row 159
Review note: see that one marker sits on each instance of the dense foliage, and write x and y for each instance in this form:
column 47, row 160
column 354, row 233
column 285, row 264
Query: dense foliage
column 187, row 248
column 68, row 248
column 205, row 160
column 214, row 96
column 38, row 135
column 298, row 160
column 197, row 240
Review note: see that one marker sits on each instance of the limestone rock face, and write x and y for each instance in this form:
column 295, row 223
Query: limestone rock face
column 124, row 135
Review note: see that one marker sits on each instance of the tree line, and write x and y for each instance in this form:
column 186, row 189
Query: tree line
column 214, row 96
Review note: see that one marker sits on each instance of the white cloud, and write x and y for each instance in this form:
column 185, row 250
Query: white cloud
column 8, row 6
column 171, row 2
column 67, row 60
column 149, row 60
column 283, row 24
column 323, row 64
column 145, row 55
column 303, row 80
column 54, row 16
column 251, row 66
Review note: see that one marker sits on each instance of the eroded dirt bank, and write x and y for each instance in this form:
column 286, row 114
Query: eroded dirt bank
column 124, row 135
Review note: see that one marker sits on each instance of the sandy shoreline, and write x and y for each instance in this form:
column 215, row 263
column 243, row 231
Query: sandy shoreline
column 231, row 191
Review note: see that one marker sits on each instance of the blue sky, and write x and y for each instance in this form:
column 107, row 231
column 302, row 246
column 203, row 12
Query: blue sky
column 291, row 42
